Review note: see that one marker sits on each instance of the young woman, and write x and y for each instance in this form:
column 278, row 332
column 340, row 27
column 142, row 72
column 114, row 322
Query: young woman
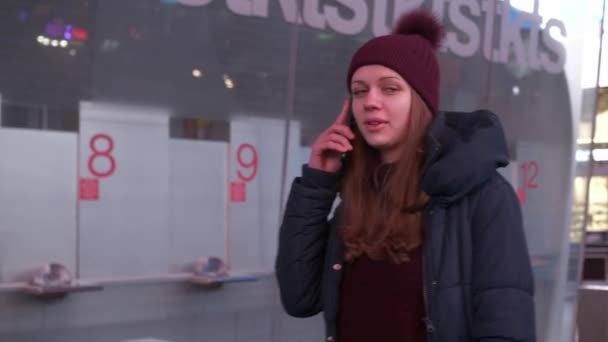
column 427, row 243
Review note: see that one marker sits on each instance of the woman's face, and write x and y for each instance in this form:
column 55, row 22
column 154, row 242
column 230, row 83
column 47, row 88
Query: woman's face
column 381, row 104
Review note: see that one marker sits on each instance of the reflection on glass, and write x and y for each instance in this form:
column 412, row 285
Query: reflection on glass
column 194, row 94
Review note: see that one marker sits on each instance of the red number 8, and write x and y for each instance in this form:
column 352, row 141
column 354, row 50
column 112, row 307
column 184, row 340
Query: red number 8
column 101, row 154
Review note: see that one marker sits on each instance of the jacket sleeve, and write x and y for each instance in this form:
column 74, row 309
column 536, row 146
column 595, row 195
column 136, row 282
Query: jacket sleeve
column 502, row 280
column 303, row 240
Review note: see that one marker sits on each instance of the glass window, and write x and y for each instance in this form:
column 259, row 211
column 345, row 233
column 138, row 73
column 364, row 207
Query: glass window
column 140, row 137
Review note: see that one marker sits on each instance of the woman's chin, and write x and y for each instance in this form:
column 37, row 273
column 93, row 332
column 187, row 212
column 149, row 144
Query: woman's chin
column 378, row 144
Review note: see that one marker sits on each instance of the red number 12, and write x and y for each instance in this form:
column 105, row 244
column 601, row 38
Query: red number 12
column 530, row 173
column 530, row 179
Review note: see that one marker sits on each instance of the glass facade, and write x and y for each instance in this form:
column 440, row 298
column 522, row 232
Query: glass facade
column 138, row 137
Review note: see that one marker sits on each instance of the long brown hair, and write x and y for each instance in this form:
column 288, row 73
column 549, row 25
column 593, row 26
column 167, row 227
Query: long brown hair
column 383, row 217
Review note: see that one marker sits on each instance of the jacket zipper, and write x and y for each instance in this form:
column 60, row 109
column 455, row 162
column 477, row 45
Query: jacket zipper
column 428, row 322
column 430, row 327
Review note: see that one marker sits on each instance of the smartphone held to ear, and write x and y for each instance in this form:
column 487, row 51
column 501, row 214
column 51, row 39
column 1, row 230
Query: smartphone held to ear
column 352, row 125
column 351, row 116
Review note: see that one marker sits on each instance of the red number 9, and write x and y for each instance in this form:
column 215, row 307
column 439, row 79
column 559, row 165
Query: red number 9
column 252, row 164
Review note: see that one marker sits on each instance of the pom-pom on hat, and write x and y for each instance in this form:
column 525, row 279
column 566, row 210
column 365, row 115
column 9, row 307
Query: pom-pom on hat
column 411, row 51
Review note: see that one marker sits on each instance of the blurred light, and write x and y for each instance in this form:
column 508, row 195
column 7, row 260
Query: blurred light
column 228, row 82
column 72, row 52
column 46, row 41
column 599, row 154
column 79, row 34
column 23, row 15
column 134, row 33
column 110, row 45
column 515, row 90
column 67, row 32
column 582, row 155
column 197, row 73
column 325, row 36
column 54, row 29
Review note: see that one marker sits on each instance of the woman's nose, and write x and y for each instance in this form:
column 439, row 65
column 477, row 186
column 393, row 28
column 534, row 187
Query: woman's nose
column 372, row 101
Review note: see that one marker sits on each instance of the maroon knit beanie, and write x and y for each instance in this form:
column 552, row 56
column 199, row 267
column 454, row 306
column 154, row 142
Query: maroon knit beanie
column 411, row 51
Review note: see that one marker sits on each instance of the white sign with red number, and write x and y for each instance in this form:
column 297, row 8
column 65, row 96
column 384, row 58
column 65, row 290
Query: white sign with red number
column 37, row 201
column 255, row 175
column 245, row 208
column 246, row 171
column 541, row 193
column 124, row 190
column 100, row 164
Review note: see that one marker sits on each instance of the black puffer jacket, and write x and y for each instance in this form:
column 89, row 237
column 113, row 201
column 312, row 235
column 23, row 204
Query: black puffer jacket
column 477, row 273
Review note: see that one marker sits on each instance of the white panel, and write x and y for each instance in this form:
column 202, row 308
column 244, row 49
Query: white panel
column 510, row 173
column 254, row 223
column 37, row 201
column 273, row 218
column 197, row 202
column 545, row 228
column 297, row 156
column 125, row 231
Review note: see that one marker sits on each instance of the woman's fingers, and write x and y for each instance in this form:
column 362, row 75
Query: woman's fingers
column 339, row 139
column 343, row 130
column 336, row 147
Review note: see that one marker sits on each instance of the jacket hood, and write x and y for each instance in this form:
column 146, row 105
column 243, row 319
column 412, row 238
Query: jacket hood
column 463, row 150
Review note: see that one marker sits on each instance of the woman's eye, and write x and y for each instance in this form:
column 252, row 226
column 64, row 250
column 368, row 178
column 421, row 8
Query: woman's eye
column 358, row 92
column 391, row 90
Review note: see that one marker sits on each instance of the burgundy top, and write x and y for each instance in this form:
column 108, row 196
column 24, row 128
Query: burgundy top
column 382, row 301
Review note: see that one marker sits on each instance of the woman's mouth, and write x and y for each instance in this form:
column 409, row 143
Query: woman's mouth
column 374, row 125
